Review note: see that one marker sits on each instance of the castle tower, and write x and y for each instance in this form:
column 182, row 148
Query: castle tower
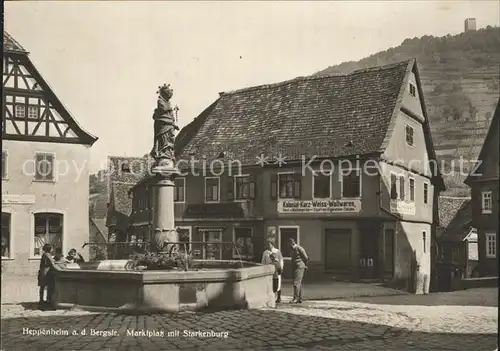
column 470, row 24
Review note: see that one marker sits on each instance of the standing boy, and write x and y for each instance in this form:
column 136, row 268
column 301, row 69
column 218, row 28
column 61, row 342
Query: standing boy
column 273, row 254
column 299, row 265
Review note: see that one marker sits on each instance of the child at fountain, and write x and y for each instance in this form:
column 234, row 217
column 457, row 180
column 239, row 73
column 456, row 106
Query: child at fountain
column 74, row 257
column 276, row 277
column 46, row 278
column 59, row 258
column 277, row 261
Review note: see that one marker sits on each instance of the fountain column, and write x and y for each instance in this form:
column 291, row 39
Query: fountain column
column 163, row 205
column 164, row 171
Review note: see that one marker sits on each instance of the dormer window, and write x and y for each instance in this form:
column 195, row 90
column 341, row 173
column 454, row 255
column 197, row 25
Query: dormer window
column 413, row 90
column 409, row 135
column 126, row 168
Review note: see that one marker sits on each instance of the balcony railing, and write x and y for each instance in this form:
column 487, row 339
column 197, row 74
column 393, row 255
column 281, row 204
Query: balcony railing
column 197, row 249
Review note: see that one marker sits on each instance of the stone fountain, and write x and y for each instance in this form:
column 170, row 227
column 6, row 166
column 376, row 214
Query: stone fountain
column 217, row 284
column 164, row 170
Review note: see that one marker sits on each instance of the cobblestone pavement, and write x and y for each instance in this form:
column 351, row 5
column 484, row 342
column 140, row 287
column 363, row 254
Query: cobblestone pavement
column 24, row 288
column 315, row 325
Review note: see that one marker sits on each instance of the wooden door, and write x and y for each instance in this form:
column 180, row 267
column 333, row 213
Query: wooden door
column 337, row 249
column 212, row 251
column 369, row 244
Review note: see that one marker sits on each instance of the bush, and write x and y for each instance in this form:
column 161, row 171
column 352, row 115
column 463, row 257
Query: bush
column 160, row 261
column 97, row 254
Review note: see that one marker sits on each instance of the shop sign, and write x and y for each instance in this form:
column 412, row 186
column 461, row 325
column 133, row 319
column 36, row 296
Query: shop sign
column 319, row 206
column 403, row 207
column 217, row 210
column 14, row 199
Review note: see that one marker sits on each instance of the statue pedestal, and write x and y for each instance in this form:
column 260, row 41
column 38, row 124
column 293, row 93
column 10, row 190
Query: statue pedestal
column 163, row 213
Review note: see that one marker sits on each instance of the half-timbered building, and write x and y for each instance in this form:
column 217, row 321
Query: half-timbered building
column 45, row 180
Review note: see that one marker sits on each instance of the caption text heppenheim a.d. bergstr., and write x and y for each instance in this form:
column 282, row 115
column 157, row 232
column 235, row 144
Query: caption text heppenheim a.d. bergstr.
column 128, row 332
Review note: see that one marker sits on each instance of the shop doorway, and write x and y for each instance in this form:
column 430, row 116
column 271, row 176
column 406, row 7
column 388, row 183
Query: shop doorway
column 337, row 249
column 368, row 253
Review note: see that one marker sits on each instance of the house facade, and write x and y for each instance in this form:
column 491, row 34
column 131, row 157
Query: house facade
column 45, row 180
column 111, row 206
column 458, row 253
column 340, row 163
column 484, row 182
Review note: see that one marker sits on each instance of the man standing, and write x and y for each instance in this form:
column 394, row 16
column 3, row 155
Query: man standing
column 299, row 265
column 273, row 254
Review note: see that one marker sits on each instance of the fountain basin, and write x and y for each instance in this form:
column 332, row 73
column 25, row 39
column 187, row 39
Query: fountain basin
column 217, row 285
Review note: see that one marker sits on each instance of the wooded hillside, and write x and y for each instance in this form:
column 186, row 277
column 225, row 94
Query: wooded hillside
column 460, row 77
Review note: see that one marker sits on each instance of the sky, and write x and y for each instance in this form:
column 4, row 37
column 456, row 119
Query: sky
column 105, row 60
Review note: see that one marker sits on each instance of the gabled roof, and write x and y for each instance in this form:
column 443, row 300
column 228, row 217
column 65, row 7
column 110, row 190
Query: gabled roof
column 431, row 151
column 471, row 236
column 113, row 206
column 10, row 44
column 121, row 200
column 455, row 217
column 489, row 136
column 329, row 116
column 120, row 204
column 12, row 47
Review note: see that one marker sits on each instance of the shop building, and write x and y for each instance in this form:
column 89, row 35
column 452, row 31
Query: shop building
column 342, row 164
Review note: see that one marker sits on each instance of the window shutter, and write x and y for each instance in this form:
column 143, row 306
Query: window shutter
column 251, row 188
column 297, row 185
column 402, row 188
column 274, row 186
column 183, row 193
column 49, row 159
column 148, row 198
column 394, row 189
column 38, row 166
column 4, row 164
column 230, row 189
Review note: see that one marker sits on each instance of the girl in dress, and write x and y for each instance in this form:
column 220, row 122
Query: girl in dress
column 46, row 279
column 273, row 256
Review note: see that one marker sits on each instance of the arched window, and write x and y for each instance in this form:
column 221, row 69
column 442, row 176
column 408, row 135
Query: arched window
column 6, row 232
column 48, row 230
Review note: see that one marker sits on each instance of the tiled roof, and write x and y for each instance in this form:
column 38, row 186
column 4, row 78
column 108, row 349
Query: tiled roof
column 122, row 202
column 120, row 205
column 10, row 44
column 460, row 225
column 331, row 116
column 119, row 181
column 448, row 208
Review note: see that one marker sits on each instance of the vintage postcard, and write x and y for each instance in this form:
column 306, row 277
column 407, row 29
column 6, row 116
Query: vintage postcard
column 251, row 175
